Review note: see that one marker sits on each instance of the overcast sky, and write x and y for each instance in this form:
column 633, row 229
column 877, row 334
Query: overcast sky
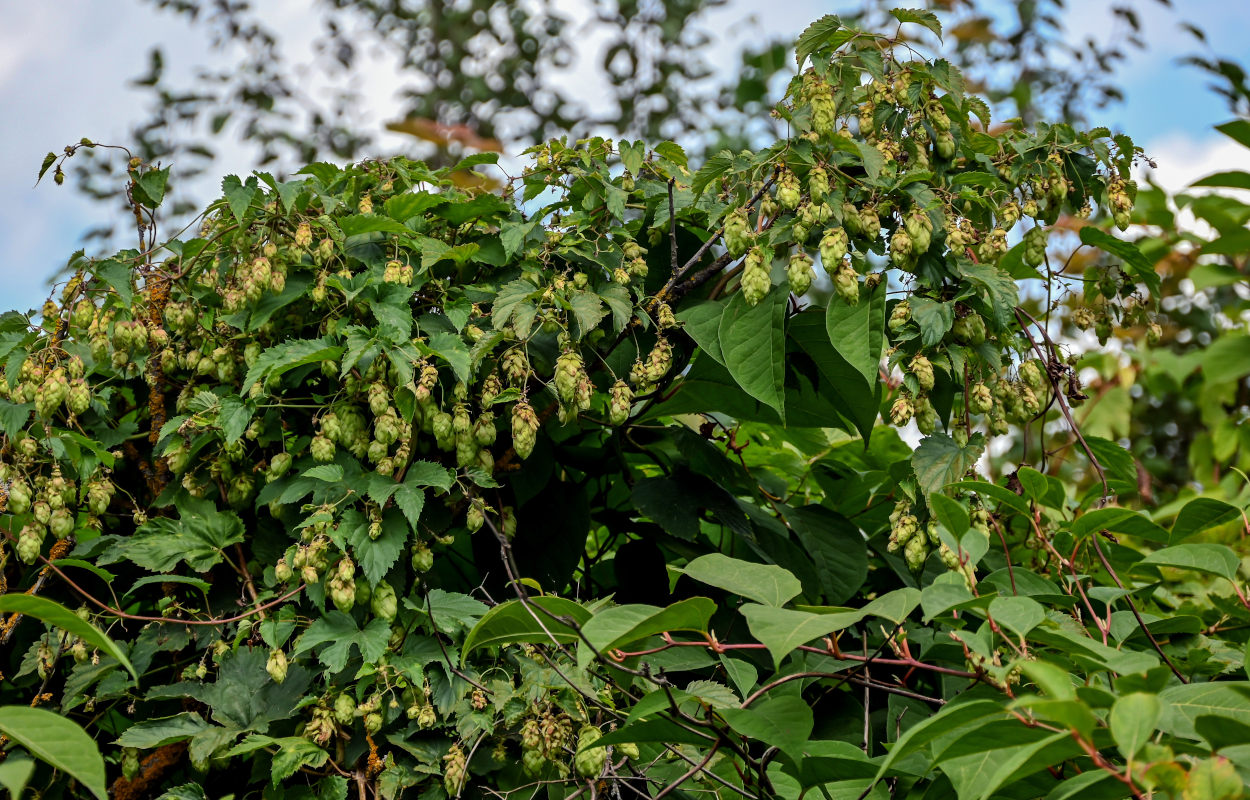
column 65, row 65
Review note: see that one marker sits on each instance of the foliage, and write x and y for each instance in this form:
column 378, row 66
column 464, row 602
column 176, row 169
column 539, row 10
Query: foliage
column 388, row 484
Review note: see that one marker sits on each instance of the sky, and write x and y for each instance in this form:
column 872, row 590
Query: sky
column 65, row 66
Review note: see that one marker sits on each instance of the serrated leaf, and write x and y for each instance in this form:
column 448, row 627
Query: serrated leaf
column 1134, row 261
column 919, row 16
column 672, row 152
column 752, row 340
column 940, row 460
column 330, row 473
column 997, row 289
column 149, row 189
column 119, row 278
column 157, row 732
column 933, row 317
column 238, row 195
column 713, row 168
column 342, row 634
column 589, row 310
column 287, row 356
column 377, row 556
column 814, row 37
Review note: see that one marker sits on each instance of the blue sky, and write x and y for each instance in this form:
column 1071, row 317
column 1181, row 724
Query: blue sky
column 64, row 66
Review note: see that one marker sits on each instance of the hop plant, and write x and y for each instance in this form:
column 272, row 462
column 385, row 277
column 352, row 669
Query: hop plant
column 589, row 760
column 789, row 193
column 969, row 329
column 455, row 771
column 833, row 246
column 737, row 232
column 902, row 410
column 276, row 666
column 524, row 428
column 980, row 401
column 818, row 184
column 922, row 370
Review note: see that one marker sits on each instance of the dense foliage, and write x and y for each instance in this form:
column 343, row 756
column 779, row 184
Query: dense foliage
column 602, row 484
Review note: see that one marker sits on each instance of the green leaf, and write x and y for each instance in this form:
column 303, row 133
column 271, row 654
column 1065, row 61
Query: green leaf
column 1135, row 262
column 752, row 340
column 238, row 195
column 1182, row 705
column 54, row 613
column 428, row 473
column 764, row 583
column 287, row 356
column 982, row 762
column 1133, row 719
column 1020, row 614
column 1238, row 130
column 997, row 288
column 857, row 332
column 589, row 310
column 197, row 536
column 1118, row 520
column 377, row 556
column 1232, row 179
column 784, row 721
column 940, row 460
column 295, row 752
column 618, row 626
column 16, row 769
column 673, row 152
column 702, row 322
column 814, row 37
column 933, row 317
column 58, row 742
column 452, row 349
column 243, row 697
column 119, row 278
column 920, row 17
column 342, row 634
column 1216, row 559
column 782, row 630
column 149, row 190
column 953, row 717
column 1201, row 515
column 713, row 168
column 151, row 733
column 48, row 161
column 836, row 547
column 512, row 621
column 632, row 155
column 329, row 473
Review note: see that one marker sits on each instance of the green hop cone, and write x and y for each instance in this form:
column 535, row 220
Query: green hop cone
column 969, row 330
column 846, row 283
column 475, row 517
column 869, row 222
column 533, row 761
column 344, row 709
column 455, row 771
column 800, row 273
column 818, row 184
column 833, row 246
column 279, row 465
column 61, row 523
column 19, row 497
column 28, row 544
column 901, row 411
column 589, row 760
column 922, row 370
column 422, row 557
column 755, row 279
column 899, row 316
column 915, row 553
column 901, row 254
column 276, row 666
column 524, row 428
column 384, row 604
column 980, row 401
column 944, row 145
column 620, row 401
column 920, row 228
column 926, row 416
column 322, row 449
column 737, row 232
column 1033, row 375
column 789, row 194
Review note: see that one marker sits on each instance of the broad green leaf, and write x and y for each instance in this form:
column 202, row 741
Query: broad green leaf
column 933, row 317
column 940, row 460
column 244, row 697
column 702, row 322
column 953, row 717
column 54, row 613
column 1182, row 705
column 1216, row 559
column 618, row 626
column 57, row 741
column 997, row 289
column 119, row 278
column 1081, row 786
column 589, row 309
column 857, row 332
column 763, row 583
column 370, row 223
column 661, row 731
column 784, row 721
column 1118, row 520
column 151, row 733
column 377, row 556
column 752, row 340
column 712, row 168
column 983, row 765
column 838, row 550
column 512, row 621
column 782, row 630
column 1238, row 130
column 1019, row 614
column 329, row 473
column 198, row 536
column 1133, row 719
column 149, row 189
column 1200, row 515
column 15, row 770
column 295, row 752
